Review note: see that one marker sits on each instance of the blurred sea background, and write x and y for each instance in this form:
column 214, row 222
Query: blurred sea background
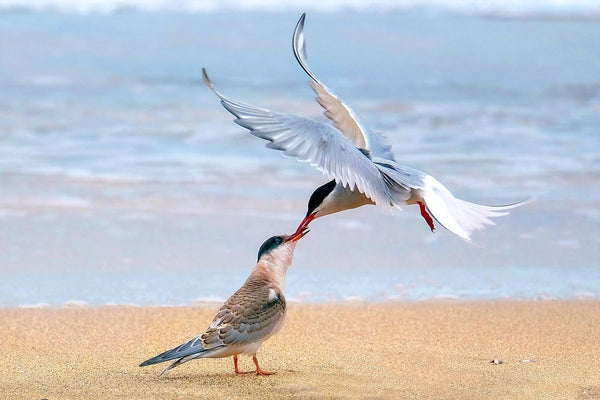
column 123, row 180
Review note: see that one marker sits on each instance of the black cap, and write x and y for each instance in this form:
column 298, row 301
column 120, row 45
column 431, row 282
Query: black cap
column 270, row 244
column 319, row 195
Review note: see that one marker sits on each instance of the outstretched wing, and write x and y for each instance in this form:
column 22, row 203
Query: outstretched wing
column 342, row 116
column 310, row 141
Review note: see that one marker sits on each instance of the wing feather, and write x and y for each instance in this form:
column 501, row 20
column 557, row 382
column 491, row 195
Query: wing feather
column 310, row 141
column 343, row 117
column 192, row 347
column 254, row 314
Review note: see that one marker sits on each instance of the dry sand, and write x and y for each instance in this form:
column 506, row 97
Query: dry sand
column 373, row 351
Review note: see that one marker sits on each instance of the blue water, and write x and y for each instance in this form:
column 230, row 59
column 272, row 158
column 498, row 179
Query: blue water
column 122, row 180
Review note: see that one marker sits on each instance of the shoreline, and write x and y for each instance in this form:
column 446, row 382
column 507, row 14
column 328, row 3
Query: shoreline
column 428, row 349
column 353, row 301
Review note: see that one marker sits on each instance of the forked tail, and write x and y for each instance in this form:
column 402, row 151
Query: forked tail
column 458, row 216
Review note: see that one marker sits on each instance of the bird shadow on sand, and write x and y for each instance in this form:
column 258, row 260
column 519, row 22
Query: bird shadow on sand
column 193, row 377
column 283, row 384
column 224, row 376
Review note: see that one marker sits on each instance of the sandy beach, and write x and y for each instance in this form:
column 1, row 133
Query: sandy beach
column 129, row 198
column 429, row 350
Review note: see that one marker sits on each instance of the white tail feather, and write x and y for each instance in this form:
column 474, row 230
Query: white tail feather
column 458, row 216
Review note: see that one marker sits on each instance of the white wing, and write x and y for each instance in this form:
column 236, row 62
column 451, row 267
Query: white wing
column 340, row 114
column 314, row 142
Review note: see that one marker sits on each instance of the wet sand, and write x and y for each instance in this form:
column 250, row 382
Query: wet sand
column 429, row 350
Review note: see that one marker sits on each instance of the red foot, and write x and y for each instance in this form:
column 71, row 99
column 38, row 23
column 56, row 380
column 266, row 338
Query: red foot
column 258, row 370
column 426, row 215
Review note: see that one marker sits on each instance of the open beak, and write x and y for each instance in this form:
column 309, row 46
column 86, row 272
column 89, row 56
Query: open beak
column 307, row 220
column 299, row 234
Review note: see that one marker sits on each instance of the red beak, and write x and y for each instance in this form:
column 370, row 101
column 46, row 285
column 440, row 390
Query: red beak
column 307, row 220
column 299, row 234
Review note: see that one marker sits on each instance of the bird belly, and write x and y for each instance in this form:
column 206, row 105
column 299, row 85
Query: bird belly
column 251, row 348
column 415, row 197
column 245, row 348
column 234, row 350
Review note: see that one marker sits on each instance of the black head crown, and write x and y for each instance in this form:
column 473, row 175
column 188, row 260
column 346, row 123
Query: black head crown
column 270, row 244
column 319, row 195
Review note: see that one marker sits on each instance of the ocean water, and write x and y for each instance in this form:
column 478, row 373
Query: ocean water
column 123, row 180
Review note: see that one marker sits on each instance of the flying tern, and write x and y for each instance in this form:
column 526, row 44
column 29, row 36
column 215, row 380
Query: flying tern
column 359, row 161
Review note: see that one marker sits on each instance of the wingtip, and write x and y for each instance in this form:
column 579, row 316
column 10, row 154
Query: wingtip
column 170, row 367
column 528, row 200
column 209, row 83
column 207, row 80
column 297, row 38
column 299, row 47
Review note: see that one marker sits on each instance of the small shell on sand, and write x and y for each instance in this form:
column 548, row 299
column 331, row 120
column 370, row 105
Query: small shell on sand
column 496, row 361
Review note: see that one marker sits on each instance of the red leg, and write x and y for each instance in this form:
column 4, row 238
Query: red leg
column 235, row 365
column 426, row 215
column 258, row 370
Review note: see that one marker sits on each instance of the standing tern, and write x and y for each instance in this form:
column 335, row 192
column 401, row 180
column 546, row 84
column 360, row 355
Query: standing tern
column 249, row 317
column 359, row 161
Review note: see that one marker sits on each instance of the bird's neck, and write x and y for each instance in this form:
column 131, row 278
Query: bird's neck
column 273, row 266
column 341, row 198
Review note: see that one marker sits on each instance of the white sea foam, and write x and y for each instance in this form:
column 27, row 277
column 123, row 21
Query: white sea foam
column 446, row 296
column 585, row 295
column 208, row 299
column 75, row 304
column 511, row 7
column 51, row 201
column 354, row 299
column 122, row 304
column 35, row 305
